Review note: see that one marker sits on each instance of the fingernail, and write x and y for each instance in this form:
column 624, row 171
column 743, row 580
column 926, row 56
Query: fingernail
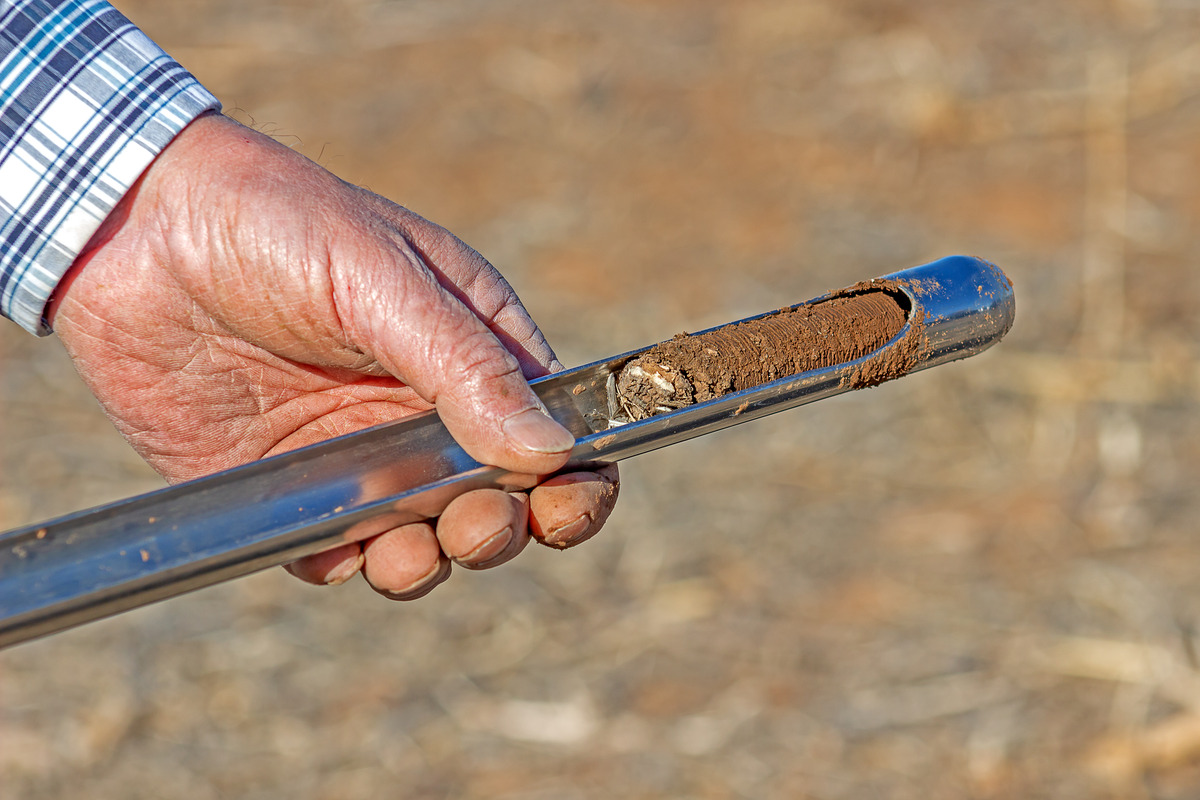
column 345, row 571
column 567, row 534
column 422, row 585
column 481, row 556
column 533, row 430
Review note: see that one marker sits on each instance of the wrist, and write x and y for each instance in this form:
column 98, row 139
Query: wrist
column 112, row 224
column 118, row 219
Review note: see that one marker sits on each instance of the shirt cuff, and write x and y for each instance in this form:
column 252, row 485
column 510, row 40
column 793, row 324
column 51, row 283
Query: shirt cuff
column 87, row 102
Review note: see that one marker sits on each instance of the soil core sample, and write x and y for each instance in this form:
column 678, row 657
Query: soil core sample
column 847, row 326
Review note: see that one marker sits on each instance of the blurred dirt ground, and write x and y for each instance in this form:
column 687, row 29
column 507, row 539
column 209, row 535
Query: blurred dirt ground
column 982, row 581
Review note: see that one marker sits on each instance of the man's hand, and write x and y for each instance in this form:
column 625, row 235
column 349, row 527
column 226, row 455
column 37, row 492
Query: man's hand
column 242, row 301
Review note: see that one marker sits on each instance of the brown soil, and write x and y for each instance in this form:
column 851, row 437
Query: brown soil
column 695, row 368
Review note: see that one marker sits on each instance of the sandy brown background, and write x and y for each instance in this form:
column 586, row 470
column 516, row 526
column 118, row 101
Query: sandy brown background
column 979, row 582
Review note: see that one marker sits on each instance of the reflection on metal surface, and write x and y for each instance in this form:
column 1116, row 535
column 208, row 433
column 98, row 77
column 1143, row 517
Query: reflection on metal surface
column 100, row 562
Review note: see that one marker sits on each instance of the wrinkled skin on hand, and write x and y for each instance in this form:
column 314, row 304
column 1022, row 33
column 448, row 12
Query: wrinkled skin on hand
column 242, row 301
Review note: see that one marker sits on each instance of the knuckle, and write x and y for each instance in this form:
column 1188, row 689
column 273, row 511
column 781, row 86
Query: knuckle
column 477, row 358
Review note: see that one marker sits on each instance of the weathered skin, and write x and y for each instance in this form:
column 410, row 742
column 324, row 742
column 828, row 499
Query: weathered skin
column 242, row 301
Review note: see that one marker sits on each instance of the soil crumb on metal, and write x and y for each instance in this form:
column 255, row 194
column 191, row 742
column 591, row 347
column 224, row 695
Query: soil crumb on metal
column 847, row 326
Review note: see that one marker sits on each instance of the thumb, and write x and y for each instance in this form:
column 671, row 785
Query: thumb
column 421, row 333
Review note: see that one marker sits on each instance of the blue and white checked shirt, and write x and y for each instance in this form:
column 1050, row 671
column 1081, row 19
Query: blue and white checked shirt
column 86, row 103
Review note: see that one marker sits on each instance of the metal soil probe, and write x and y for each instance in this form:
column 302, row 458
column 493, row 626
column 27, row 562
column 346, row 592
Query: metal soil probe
column 110, row 559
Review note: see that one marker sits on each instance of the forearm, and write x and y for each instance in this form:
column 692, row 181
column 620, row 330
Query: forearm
column 86, row 103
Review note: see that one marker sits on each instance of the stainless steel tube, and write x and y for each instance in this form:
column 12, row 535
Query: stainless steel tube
column 110, row 559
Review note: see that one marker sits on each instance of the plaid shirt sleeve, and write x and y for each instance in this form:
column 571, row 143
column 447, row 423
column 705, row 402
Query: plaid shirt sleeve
column 86, row 103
